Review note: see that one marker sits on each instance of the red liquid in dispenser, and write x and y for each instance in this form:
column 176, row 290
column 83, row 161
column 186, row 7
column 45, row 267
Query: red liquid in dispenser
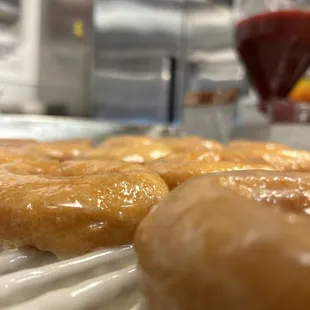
column 275, row 49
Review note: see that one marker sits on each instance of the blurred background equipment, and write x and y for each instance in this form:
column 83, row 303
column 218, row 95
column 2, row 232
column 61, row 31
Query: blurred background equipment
column 129, row 60
column 65, row 62
column 16, row 46
column 139, row 53
column 272, row 41
column 167, row 62
column 301, row 91
column 45, row 64
column 158, row 61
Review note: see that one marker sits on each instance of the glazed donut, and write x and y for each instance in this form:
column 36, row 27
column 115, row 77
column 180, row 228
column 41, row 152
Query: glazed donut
column 189, row 143
column 229, row 241
column 72, row 208
column 280, row 159
column 131, row 154
column 176, row 144
column 16, row 143
column 61, row 150
column 34, row 167
column 247, row 144
column 127, row 140
column 179, row 167
column 8, row 154
column 91, row 167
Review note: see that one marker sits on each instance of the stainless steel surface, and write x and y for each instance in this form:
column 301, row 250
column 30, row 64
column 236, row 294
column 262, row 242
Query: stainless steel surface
column 216, row 123
column 139, row 52
column 211, row 56
column 65, row 55
column 145, row 56
column 220, row 123
column 213, row 121
column 149, row 53
column 60, row 128
column 135, row 88
column 9, row 11
column 10, row 27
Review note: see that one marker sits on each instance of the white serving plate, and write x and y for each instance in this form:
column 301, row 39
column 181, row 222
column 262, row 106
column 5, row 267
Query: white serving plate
column 34, row 280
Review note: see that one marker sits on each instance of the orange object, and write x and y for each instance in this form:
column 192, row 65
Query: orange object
column 301, row 92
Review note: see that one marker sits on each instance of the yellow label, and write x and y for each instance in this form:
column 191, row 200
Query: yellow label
column 78, row 29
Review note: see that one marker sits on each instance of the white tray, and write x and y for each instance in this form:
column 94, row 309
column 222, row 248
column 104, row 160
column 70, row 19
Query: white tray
column 34, row 280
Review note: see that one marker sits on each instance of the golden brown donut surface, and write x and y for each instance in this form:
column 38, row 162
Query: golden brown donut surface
column 127, row 140
column 135, row 154
column 61, row 150
column 12, row 143
column 8, row 154
column 72, row 208
column 179, row 167
column 248, row 144
column 180, row 144
column 233, row 241
column 280, row 159
column 90, row 167
column 34, row 167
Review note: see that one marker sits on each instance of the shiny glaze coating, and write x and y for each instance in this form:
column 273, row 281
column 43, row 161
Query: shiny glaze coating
column 61, row 150
column 176, row 144
column 280, row 159
column 248, row 144
column 90, row 167
column 127, row 140
column 8, row 154
column 34, row 167
column 179, row 167
column 16, row 143
column 72, row 208
column 133, row 154
column 233, row 241
column 181, row 144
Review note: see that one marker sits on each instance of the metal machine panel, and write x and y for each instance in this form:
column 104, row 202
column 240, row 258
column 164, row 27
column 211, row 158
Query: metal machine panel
column 133, row 60
column 139, row 48
column 65, row 55
column 154, row 25
column 135, row 88
column 212, row 61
